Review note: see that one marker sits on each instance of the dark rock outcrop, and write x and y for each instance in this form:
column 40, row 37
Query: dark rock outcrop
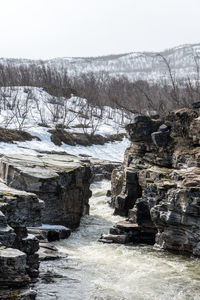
column 101, row 169
column 46, row 234
column 61, row 181
column 50, row 232
column 142, row 128
column 158, row 186
column 60, row 135
column 18, row 259
column 11, row 135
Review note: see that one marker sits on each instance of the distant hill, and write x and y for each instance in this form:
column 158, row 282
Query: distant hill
column 135, row 65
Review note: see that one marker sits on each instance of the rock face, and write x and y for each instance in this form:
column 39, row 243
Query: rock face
column 158, row 186
column 18, row 258
column 61, row 181
column 101, row 169
column 13, row 273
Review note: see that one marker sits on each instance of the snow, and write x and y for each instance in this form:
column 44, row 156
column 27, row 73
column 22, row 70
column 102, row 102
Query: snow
column 113, row 151
column 40, row 102
column 41, row 109
column 48, row 226
column 136, row 65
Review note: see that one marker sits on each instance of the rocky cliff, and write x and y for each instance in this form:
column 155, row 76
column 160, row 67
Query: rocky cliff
column 61, row 181
column 18, row 258
column 158, row 186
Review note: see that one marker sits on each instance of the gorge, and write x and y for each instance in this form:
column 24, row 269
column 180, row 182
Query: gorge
column 155, row 195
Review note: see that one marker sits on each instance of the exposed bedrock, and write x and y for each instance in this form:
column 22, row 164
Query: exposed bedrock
column 101, row 169
column 61, row 181
column 18, row 258
column 158, row 186
column 12, row 272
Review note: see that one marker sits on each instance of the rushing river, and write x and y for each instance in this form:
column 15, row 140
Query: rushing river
column 99, row 271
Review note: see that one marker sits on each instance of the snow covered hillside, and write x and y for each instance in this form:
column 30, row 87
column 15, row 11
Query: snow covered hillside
column 37, row 112
column 40, row 114
column 135, row 65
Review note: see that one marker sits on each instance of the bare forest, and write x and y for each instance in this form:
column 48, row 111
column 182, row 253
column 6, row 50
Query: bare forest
column 102, row 89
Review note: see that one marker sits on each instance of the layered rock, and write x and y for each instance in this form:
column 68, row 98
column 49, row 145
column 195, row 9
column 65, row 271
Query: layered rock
column 101, row 169
column 158, row 186
column 13, row 268
column 18, row 259
column 61, row 181
column 46, row 234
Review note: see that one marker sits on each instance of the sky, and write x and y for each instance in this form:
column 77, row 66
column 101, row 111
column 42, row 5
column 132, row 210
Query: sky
column 43, row 29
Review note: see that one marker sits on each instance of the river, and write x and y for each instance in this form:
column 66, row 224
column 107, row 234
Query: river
column 96, row 271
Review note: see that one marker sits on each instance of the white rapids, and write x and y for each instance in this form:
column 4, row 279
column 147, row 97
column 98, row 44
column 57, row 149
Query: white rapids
column 96, row 271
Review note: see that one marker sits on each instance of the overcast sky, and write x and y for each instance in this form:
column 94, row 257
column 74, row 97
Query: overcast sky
column 57, row 28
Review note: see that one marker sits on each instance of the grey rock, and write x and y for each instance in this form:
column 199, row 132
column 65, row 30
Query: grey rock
column 61, row 181
column 19, row 207
column 7, row 234
column 130, row 191
column 159, row 183
column 102, row 169
column 33, row 264
column 113, row 238
column 142, row 128
column 12, row 271
column 196, row 105
column 163, row 128
column 160, row 138
column 50, row 232
column 28, row 245
column 17, row 294
column 48, row 251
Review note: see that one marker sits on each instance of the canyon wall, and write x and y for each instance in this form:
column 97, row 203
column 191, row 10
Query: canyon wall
column 61, row 181
column 51, row 189
column 158, row 186
column 18, row 258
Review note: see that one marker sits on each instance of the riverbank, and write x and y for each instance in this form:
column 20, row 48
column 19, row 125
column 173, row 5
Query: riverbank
column 109, row 271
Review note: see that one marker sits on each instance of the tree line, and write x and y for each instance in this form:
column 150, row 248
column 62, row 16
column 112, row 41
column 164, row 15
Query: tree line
column 102, row 89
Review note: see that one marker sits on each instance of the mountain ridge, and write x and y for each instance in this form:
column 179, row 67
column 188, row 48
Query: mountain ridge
column 146, row 65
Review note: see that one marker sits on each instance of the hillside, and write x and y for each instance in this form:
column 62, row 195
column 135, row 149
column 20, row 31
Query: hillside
column 33, row 121
column 134, row 65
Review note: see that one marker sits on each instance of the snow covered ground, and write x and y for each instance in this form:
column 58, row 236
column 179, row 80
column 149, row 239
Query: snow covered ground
column 27, row 108
column 110, row 151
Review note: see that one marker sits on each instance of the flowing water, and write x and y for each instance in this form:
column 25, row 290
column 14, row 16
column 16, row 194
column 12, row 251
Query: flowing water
column 96, row 271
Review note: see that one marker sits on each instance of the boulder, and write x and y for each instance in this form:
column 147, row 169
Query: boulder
column 19, row 207
column 7, row 234
column 61, row 181
column 50, row 232
column 196, row 105
column 131, row 190
column 18, row 260
column 142, row 128
column 113, row 238
column 194, row 131
column 163, row 128
column 18, row 294
column 160, row 138
column 12, row 271
column 48, row 251
column 101, row 169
